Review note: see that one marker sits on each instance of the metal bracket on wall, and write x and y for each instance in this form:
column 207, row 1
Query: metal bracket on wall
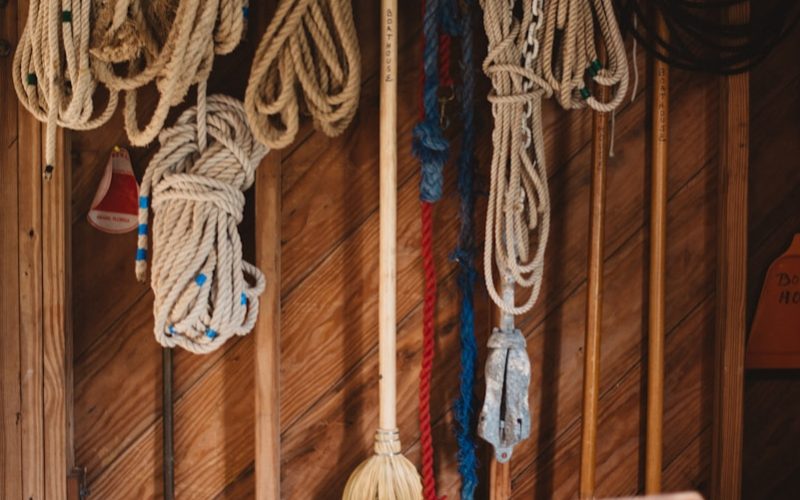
column 76, row 483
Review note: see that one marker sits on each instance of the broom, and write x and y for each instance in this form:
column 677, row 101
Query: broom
column 387, row 475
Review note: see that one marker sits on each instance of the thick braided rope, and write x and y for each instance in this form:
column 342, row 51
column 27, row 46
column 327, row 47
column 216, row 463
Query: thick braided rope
column 52, row 73
column 175, row 60
column 204, row 292
column 568, row 63
column 518, row 216
column 310, row 44
column 465, row 254
column 431, row 148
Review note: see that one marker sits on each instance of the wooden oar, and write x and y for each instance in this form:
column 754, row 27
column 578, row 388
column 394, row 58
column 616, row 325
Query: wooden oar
column 594, row 300
column 658, row 238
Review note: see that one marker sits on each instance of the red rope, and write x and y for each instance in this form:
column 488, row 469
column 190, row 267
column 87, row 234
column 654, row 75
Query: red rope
column 428, row 318
column 429, row 306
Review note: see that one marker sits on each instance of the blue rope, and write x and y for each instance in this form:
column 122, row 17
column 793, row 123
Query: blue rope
column 464, row 255
column 430, row 145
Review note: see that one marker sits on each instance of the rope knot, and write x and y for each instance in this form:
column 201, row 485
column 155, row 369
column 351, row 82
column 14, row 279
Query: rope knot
column 431, row 148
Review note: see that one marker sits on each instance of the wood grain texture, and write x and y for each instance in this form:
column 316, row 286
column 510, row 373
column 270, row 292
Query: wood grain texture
column 731, row 280
column 10, row 387
column 329, row 231
column 771, row 432
column 268, row 330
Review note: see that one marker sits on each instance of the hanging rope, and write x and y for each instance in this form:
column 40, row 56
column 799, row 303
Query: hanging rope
column 518, row 216
column 431, row 148
column 701, row 39
column 169, row 42
column 464, row 255
column 567, row 64
column 310, row 44
column 204, row 292
column 52, row 74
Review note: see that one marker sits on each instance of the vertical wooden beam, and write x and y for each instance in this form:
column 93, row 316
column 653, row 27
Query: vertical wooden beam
column 57, row 320
column 731, row 280
column 268, row 328
column 657, row 291
column 594, row 302
column 29, row 142
column 10, row 390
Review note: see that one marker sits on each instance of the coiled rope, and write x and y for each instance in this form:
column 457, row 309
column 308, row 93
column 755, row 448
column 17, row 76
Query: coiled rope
column 465, row 255
column 310, row 44
column 52, row 72
column 518, row 216
column 134, row 44
column 567, row 64
column 204, row 292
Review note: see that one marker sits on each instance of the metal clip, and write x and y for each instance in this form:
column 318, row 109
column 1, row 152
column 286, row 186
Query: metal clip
column 444, row 98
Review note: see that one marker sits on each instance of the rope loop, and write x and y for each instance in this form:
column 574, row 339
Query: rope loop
column 309, row 45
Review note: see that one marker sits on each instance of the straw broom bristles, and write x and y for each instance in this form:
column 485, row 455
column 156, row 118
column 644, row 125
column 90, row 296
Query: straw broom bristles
column 387, row 475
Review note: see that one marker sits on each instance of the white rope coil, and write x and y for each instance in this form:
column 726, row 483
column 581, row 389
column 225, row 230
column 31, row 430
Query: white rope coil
column 571, row 64
column 130, row 34
column 518, row 215
column 310, row 44
column 204, row 292
column 52, row 74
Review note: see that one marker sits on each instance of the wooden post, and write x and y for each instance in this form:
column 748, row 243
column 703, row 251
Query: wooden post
column 11, row 468
column 57, row 320
column 658, row 249
column 268, row 328
column 731, row 280
column 594, row 302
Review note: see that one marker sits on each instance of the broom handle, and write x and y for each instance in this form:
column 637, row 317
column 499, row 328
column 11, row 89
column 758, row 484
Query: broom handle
column 658, row 234
column 594, row 301
column 388, row 216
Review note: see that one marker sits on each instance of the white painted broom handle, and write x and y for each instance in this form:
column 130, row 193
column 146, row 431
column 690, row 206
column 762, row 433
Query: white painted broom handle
column 388, row 216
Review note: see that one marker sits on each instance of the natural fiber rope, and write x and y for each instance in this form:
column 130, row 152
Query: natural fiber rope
column 566, row 65
column 519, row 202
column 125, row 36
column 310, row 44
column 204, row 292
column 52, row 74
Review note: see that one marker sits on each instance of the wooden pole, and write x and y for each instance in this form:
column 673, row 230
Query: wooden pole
column 658, row 247
column 594, row 302
column 731, row 290
column 499, row 480
column 388, row 218
column 268, row 329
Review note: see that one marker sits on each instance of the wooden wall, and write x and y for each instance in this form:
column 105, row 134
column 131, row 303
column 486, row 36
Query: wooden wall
column 329, row 323
column 772, row 398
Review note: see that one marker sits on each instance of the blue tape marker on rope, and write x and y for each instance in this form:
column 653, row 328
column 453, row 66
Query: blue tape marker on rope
column 144, row 202
column 211, row 334
column 142, row 229
column 171, row 329
column 141, row 254
column 200, row 279
column 246, row 12
column 244, row 299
